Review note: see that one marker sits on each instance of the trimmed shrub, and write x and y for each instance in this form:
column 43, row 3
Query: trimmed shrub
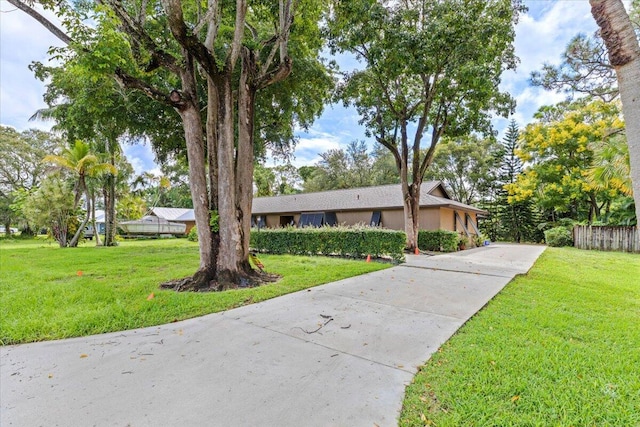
column 558, row 236
column 438, row 240
column 356, row 242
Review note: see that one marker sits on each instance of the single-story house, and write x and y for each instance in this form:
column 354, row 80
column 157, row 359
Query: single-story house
column 183, row 215
column 377, row 206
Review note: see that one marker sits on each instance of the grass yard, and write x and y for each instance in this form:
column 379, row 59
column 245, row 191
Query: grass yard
column 49, row 293
column 558, row 347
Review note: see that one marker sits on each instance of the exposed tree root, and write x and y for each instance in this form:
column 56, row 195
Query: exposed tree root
column 206, row 281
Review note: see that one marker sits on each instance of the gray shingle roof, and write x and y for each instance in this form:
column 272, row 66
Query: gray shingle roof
column 366, row 198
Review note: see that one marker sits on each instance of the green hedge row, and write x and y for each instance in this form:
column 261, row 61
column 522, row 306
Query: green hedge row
column 357, row 242
column 438, row 240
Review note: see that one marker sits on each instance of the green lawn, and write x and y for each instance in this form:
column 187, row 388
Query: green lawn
column 557, row 347
column 44, row 296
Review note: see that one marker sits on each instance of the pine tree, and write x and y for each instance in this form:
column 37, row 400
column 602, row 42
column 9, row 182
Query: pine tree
column 516, row 219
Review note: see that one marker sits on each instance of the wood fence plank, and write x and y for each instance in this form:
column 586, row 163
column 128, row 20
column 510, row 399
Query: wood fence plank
column 603, row 238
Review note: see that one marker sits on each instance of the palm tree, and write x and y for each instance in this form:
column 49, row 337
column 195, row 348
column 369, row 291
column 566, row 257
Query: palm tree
column 623, row 47
column 79, row 160
column 610, row 169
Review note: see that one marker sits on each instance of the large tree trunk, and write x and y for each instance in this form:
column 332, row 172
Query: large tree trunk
column 198, row 182
column 194, row 137
column 624, row 54
column 411, row 198
column 244, row 160
column 229, row 263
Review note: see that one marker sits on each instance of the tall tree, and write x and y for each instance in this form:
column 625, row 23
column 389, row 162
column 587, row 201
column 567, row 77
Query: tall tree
column 84, row 165
column 51, row 205
column 21, row 168
column 237, row 50
column 584, row 69
column 617, row 31
column 432, row 68
column 342, row 168
column 468, row 166
column 558, row 150
column 516, row 220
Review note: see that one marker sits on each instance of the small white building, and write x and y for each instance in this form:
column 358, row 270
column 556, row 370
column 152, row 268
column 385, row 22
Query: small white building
column 100, row 225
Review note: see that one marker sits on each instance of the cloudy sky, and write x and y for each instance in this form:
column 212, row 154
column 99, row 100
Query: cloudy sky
column 541, row 36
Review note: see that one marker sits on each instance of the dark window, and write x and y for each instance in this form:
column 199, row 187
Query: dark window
column 286, row 220
column 306, row 220
column 330, row 218
column 376, row 219
column 317, row 219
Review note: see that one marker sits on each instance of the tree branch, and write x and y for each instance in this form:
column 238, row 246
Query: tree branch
column 276, row 75
column 42, row 20
column 138, row 33
column 131, row 82
column 188, row 40
column 236, row 44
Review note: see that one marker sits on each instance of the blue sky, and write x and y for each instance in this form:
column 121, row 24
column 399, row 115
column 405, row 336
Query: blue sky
column 541, row 36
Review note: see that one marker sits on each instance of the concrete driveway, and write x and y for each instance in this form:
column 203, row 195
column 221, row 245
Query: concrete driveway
column 335, row 355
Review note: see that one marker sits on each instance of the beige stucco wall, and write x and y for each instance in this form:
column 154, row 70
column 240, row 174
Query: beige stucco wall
column 393, row 219
column 447, row 219
column 430, row 219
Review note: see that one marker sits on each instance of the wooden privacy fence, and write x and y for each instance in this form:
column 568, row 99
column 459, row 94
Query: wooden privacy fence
column 626, row 239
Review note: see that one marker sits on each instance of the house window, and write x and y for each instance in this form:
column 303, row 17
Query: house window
column 259, row 221
column 330, row 218
column 376, row 219
column 286, row 220
column 318, row 219
column 311, row 219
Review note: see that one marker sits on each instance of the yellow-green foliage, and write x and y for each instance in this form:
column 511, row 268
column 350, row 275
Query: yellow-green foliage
column 558, row 148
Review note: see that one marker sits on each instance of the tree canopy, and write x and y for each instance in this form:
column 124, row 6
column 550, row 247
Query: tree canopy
column 558, row 148
column 467, row 165
column 22, row 169
column 430, row 69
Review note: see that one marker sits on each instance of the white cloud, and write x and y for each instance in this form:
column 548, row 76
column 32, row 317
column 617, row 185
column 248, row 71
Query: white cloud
column 545, row 38
column 541, row 37
column 310, row 145
column 141, row 158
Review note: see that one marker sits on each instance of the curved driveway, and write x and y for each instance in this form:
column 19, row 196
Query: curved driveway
column 339, row 354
